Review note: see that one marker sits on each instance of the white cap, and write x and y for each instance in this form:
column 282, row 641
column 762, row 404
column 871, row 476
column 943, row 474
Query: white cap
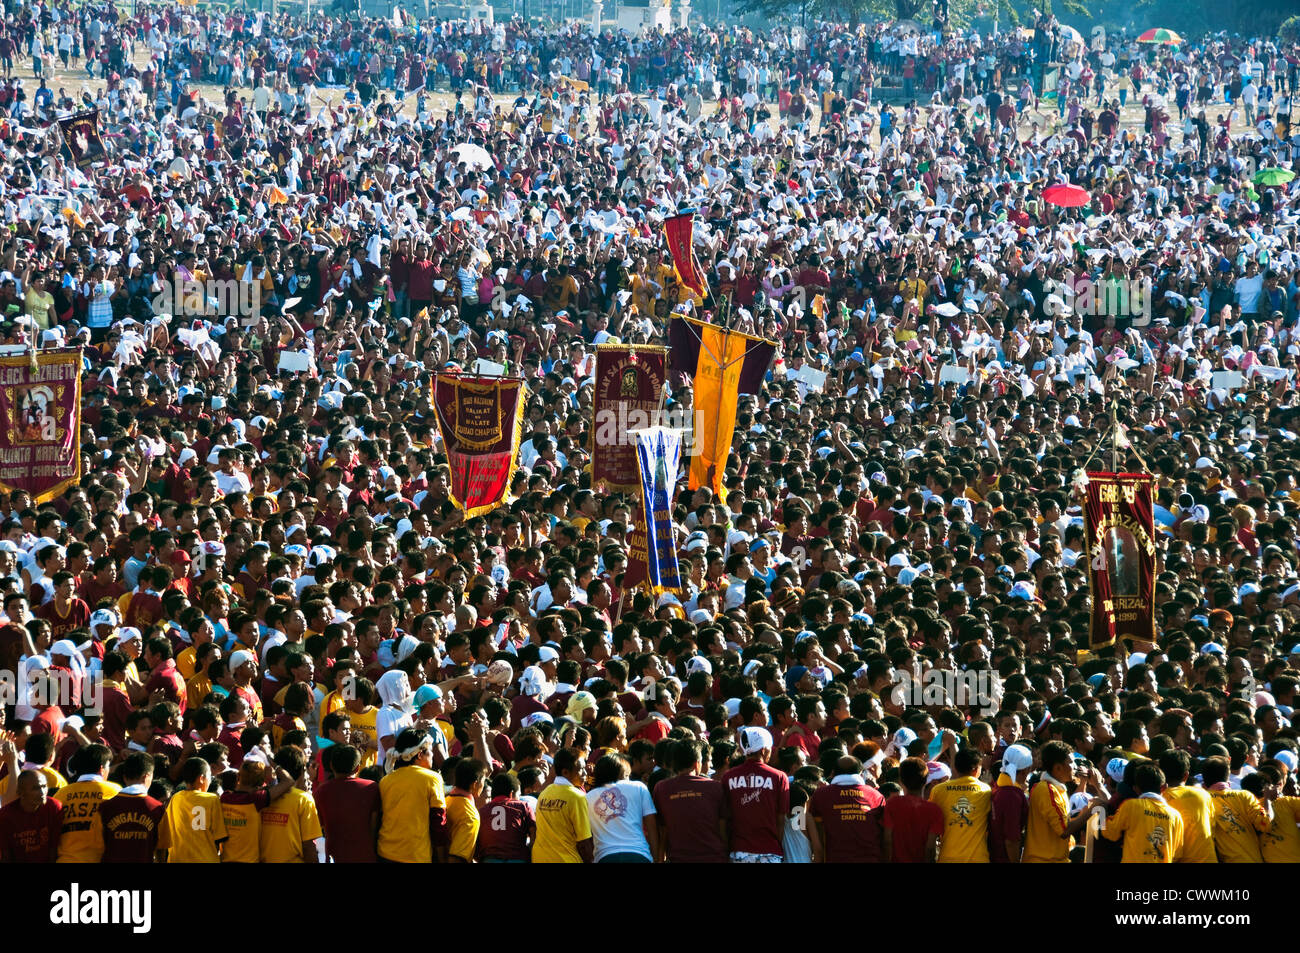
column 754, row 740
column 698, row 663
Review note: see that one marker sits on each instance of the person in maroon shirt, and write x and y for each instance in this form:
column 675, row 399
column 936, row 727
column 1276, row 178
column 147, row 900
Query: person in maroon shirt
column 420, row 283
column 162, row 673
column 757, row 802
column 65, row 612
column 509, row 828
column 691, row 807
column 116, row 702
column 912, row 824
column 145, row 606
column 399, row 271
column 103, row 584
column 848, row 813
column 1010, row 807
column 31, row 824
column 349, row 809
column 130, row 819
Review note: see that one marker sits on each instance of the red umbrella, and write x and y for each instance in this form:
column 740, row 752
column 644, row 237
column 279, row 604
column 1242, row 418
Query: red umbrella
column 1067, row 196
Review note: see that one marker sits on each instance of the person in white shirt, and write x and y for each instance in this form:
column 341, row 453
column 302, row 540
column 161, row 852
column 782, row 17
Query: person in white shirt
column 624, row 822
column 229, row 479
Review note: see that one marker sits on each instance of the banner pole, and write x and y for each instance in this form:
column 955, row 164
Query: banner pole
column 1114, row 439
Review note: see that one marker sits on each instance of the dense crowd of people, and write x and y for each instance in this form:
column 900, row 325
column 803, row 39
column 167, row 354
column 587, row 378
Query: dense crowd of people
column 259, row 606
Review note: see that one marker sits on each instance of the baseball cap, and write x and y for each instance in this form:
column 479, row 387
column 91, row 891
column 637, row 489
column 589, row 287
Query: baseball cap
column 698, row 663
column 425, row 694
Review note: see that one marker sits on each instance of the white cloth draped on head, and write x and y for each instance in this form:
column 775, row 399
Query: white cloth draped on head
column 395, row 689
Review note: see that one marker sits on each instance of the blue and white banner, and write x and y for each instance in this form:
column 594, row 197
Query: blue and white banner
column 659, row 457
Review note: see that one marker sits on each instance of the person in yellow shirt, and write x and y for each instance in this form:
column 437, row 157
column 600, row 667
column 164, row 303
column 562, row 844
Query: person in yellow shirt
column 82, row 839
column 1048, row 832
column 966, row 803
column 363, row 715
column 563, row 822
column 193, row 826
column 1193, row 805
column 1280, row 844
column 290, row 824
column 414, row 827
column 201, row 633
column 1152, row 830
column 1238, row 817
column 341, row 677
column 462, row 809
column 242, row 807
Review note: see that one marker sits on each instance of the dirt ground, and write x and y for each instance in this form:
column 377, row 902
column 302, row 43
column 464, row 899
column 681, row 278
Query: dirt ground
column 74, row 80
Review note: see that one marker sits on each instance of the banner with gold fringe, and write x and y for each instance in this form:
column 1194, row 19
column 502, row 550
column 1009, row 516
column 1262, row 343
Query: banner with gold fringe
column 480, row 420
column 40, row 422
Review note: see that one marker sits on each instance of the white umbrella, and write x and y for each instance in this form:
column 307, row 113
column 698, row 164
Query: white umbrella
column 473, row 156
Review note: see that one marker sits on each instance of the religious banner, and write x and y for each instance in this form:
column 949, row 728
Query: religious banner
column 638, row 561
column 722, row 365
column 81, row 137
column 1119, row 526
column 480, row 420
column 629, row 384
column 659, row 458
column 40, row 411
column 678, row 232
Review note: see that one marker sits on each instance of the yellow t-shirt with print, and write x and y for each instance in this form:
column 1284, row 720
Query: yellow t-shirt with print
column 1152, row 831
column 82, row 839
column 244, row 826
column 365, row 723
column 562, row 824
column 289, row 822
column 966, row 804
column 1280, row 844
column 463, row 818
column 1049, row 813
column 1193, row 804
column 1238, row 822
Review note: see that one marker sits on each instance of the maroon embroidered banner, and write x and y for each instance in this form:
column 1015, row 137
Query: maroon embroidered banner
column 480, row 420
column 629, row 383
column 1119, row 524
column 40, row 433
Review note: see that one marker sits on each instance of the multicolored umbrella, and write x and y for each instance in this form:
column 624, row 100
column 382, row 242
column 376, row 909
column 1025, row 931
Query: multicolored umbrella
column 1273, row 176
column 1160, row 35
column 1067, row 196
